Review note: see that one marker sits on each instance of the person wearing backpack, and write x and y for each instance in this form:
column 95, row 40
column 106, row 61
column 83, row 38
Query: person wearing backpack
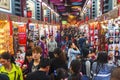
column 9, row 68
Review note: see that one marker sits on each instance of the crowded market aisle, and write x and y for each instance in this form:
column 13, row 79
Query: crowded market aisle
column 59, row 39
column 73, row 59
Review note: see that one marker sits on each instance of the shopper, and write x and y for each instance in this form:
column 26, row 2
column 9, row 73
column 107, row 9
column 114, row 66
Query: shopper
column 35, row 63
column 9, row 68
column 101, row 69
column 25, row 65
column 81, row 40
column 43, row 45
column 30, row 44
column 52, row 44
column 59, row 61
column 86, row 63
column 59, row 74
column 58, row 38
column 75, row 70
column 86, row 44
column 73, row 51
column 42, row 73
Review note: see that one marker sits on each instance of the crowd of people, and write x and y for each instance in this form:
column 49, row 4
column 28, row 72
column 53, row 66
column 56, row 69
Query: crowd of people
column 70, row 58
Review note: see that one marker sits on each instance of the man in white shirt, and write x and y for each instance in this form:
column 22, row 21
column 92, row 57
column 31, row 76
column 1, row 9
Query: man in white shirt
column 52, row 44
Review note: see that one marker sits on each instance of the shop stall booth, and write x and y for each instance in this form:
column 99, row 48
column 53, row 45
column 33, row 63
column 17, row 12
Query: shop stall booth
column 19, row 30
column 19, row 41
column 19, row 27
column 109, row 34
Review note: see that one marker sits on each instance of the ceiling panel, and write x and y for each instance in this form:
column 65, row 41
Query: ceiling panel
column 67, row 7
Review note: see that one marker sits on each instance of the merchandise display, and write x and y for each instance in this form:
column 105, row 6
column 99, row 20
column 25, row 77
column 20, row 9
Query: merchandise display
column 33, row 32
column 84, row 29
column 54, row 30
column 46, row 31
column 113, row 40
column 19, row 35
column 22, row 36
column 94, row 35
column 41, row 30
column 6, row 40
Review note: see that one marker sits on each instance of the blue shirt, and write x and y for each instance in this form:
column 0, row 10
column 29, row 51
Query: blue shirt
column 104, row 72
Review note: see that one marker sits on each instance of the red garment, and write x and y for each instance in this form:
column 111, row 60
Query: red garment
column 106, row 47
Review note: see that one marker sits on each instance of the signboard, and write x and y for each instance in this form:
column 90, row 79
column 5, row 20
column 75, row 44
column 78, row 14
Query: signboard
column 5, row 6
column 31, row 6
column 22, row 34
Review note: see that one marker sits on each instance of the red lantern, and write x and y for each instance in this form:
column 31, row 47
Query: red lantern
column 29, row 14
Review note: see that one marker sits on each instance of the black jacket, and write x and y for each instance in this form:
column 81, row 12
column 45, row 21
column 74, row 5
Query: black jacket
column 57, row 63
column 38, row 75
column 30, row 66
